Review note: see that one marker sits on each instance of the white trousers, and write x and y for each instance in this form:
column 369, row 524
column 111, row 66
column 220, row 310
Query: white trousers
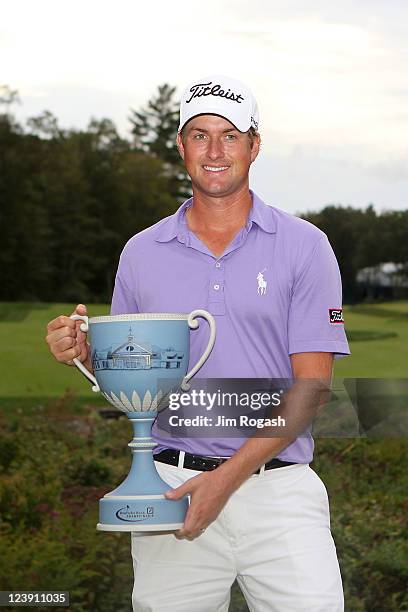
column 273, row 535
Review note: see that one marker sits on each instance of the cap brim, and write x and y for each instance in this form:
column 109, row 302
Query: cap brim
column 239, row 125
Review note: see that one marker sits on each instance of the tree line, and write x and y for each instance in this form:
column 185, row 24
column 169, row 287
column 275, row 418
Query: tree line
column 70, row 199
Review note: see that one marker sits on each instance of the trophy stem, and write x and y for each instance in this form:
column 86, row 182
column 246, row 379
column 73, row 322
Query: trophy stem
column 138, row 503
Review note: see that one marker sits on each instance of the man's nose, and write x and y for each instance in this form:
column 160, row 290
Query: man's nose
column 215, row 149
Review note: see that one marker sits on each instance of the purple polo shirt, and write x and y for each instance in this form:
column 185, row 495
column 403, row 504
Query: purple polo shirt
column 270, row 293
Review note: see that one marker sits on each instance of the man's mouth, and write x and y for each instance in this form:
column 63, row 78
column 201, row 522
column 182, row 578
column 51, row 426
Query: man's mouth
column 215, row 168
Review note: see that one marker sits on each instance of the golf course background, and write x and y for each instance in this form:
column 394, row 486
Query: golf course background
column 58, row 456
column 378, row 336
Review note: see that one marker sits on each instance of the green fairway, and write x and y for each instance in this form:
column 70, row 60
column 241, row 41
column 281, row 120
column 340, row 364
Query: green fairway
column 27, row 367
column 378, row 340
column 386, row 354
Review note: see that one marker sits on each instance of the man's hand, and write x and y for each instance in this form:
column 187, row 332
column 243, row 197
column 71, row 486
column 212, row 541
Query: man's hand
column 66, row 341
column 209, row 492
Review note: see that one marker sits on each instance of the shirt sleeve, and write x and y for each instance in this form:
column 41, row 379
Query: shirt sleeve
column 123, row 302
column 123, row 298
column 315, row 322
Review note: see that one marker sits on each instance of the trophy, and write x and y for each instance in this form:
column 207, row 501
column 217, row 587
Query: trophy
column 138, row 360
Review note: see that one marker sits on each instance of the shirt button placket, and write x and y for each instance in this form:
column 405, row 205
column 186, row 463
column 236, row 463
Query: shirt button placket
column 216, row 297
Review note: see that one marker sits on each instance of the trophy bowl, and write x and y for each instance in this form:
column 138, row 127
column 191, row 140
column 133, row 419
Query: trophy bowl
column 138, row 360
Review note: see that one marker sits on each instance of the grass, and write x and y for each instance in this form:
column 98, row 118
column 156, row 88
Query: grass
column 28, row 368
column 378, row 342
column 380, row 346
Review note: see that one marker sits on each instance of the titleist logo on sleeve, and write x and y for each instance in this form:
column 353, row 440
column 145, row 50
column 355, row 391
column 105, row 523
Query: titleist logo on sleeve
column 208, row 89
column 336, row 315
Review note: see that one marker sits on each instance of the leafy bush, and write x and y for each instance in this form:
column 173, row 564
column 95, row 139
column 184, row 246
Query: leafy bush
column 51, row 478
column 60, row 459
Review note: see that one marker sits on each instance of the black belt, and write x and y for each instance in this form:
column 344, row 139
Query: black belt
column 205, row 464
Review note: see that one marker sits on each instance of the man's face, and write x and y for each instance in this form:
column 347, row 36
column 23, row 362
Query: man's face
column 217, row 156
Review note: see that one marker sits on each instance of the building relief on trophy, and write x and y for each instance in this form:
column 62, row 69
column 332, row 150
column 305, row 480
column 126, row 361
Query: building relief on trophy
column 132, row 355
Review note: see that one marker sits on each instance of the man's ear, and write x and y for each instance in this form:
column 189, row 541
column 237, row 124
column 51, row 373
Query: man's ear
column 256, row 145
column 180, row 146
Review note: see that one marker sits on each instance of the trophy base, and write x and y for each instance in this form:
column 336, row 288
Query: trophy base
column 142, row 513
column 165, row 528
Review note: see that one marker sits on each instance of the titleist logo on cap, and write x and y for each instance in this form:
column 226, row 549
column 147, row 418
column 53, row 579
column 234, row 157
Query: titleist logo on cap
column 208, row 89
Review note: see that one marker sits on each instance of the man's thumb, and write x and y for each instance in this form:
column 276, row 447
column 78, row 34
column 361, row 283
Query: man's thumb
column 81, row 309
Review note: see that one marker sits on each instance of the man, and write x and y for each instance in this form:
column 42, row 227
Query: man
column 272, row 282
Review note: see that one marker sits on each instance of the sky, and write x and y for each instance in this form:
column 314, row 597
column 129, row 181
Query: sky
column 331, row 80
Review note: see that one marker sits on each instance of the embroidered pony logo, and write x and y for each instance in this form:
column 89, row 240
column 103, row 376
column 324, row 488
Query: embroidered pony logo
column 262, row 283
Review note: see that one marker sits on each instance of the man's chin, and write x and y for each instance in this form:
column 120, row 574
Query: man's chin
column 215, row 190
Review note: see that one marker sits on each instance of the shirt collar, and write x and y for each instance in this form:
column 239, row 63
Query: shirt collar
column 176, row 226
column 262, row 214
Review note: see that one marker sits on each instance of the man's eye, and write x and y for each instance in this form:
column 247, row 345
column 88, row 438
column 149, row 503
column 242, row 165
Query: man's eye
column 199, row 137
column 231, row 137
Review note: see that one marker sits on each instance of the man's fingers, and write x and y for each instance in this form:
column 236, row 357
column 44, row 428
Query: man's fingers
column 80, row 310
column 81, row 336
column 84, row 352
column 178, row 492
column 59, row 322
column 67, row 348
column 66, row 356
column 186, row 532
column 65, row 338
column 66, row 343
column 193, row 525
column 189, row 533
column 184, row 537
column 64, row 321
column 62, row 332
column 186, row 488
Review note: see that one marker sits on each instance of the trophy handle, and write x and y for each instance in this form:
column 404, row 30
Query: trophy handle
column 193, row 324
column 84, row 327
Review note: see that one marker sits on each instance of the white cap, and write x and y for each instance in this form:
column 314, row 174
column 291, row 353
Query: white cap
column 220, row 95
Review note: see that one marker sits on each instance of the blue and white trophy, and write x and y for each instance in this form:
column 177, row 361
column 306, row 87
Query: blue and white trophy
column 138, row 359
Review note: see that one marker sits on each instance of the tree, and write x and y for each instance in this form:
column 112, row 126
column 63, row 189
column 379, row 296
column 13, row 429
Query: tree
column 8, row 97
column 363, row 239
column 154, row 131
column 69, row 200
column 25, row 264
column 105, row 136
column 45, row 125
column 345, row 228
